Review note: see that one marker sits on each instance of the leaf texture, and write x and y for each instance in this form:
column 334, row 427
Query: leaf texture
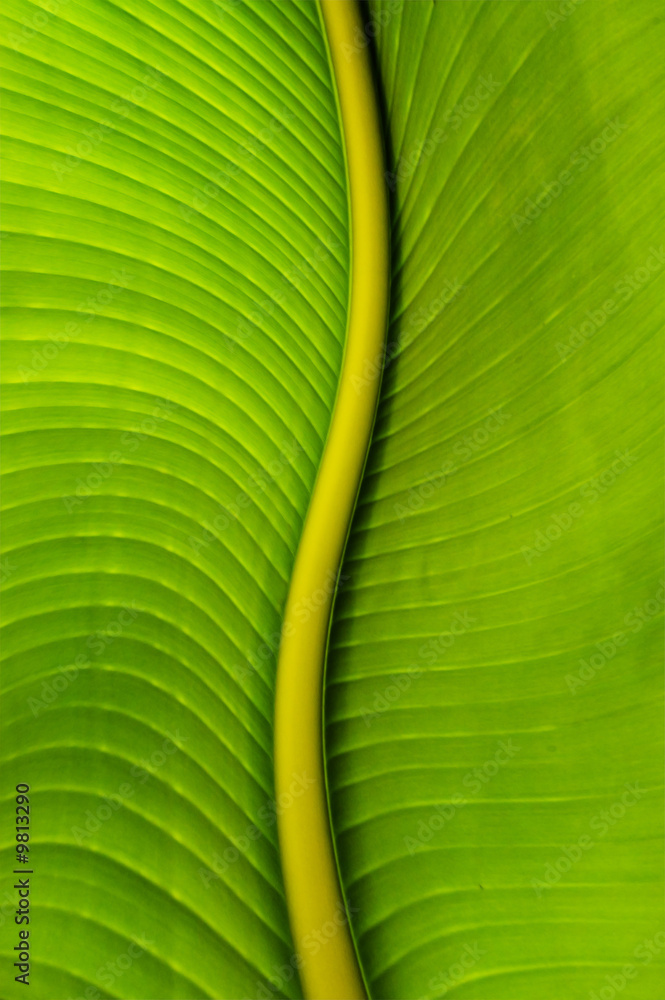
column 494, row 683
column 176, row 283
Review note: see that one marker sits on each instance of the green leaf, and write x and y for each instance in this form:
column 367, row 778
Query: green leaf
column 176, row 253
column 177, row 256
column 494, row 680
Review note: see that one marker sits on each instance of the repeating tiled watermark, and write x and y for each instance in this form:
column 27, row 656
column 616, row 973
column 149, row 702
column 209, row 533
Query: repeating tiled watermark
column 600, row 824
column 374, row 367
column 201, row 197
column 453, row 118
column 470, row 104
column 97, row 642
column 268, row 814
column 129, row 442
column 607, row 649
column 580, row 161
column 406, row 164
column 301, row 612
column 292, row 277
column 93, row 820
column 97, row 134
column 644, row 954
column 624, row 289
column 371, row 30
column 221, row 8
column 474, row 780
column 7, row 569
column 591, row 492
column 430, row 652
column 464, row 448
column 108, row 973
column 311, row 943
column 557, row 15
column 455, row 974
column 90, row 308
column 255, row 484
column 35, row 24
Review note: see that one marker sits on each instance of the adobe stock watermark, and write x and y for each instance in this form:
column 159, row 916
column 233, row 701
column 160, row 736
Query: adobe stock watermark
column 268, row 813
column 600, row 824
column 474, row 780
column 470, row 104
column 464, row 449
column 246, row 151
column 373, row 368
column 109, row 973
column 90, row 308
column 406, row 164
column 424, row 315
column 580, row 159
column 222, row 7
column 615, row 982
column 35, row 24
column 98, row 133
column 362, row 37
column 255, row 484
column 302, row 611
column 292, row 277
column 311, row 943
column 557, row 15
column 97, row 642
column 128, row 443
column 94, row 820
column 625, row 288
column 591, row 492
column 7, row 570
column 390, row 695
column 455, row 974
column 453, row 118
column 430, row 652
column 607, row 649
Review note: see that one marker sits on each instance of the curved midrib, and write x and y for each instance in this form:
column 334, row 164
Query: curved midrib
column 326, row 955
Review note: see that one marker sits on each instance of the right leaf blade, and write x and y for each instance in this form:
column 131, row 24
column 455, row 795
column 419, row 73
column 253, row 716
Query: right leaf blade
column 494, row 680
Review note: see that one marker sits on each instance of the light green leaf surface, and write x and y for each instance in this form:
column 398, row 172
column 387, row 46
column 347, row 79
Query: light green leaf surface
column 176, row 255
column 176, row 283
column 475, row 589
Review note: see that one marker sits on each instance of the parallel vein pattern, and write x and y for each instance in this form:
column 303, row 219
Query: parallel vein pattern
column 176, row 254
column 494, row 678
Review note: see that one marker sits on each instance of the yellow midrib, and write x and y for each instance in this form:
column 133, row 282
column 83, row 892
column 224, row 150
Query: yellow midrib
column 326, row 955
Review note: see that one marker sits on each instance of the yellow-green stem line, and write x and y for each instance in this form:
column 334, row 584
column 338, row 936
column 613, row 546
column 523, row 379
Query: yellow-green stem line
column 319, row 923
